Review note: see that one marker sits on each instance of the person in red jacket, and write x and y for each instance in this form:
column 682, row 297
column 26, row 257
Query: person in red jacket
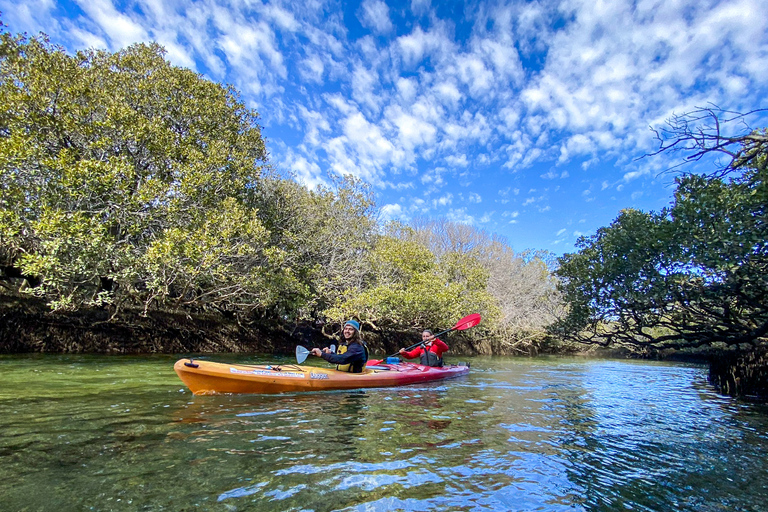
column 430, row 352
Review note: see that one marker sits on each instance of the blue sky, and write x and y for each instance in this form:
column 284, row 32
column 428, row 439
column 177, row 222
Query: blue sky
column 525, row 119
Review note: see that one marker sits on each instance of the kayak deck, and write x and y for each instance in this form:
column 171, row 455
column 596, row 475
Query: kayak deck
column 206, row 377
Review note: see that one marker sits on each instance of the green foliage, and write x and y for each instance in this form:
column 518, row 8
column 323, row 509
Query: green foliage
column 325, row 235
column 692, row 274
column 409, row 288
column 122, row 168
column 128, row 182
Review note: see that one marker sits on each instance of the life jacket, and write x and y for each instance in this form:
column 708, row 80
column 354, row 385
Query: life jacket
column 342, row 367
column 429, row 358
column 358, row 367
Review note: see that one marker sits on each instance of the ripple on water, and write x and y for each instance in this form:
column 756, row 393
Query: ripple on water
column 549, row 434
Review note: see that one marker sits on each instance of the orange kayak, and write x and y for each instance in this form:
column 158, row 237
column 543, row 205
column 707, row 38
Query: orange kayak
column 206, row 377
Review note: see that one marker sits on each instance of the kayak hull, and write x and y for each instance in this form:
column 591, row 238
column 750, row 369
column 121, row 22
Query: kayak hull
column 206, row 377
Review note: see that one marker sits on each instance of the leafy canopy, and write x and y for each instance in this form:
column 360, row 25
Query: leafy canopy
column 126, row 179
column 694, row 274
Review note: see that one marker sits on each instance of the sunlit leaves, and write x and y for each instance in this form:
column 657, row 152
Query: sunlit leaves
column 410, row 287
column 692, row 274
column 121, row 167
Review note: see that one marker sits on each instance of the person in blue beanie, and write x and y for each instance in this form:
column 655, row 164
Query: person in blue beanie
column 351, row 354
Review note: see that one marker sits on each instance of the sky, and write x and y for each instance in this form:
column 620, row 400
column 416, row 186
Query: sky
column 526, row 119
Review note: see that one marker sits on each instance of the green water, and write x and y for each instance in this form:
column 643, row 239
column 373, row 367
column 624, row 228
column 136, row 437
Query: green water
column 122, row 433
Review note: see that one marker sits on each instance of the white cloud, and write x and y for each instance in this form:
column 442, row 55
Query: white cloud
column 374, row 14
column 631, row 175
column 413, row 131
column 88, row 39
column 364, row 88
column 457, row 160
column 407, row 88
column 316, row 125
column 282, row 18
column 392, row 212
column 553, row 174
column 433, row 177
column 119, row 28
column 460, row 215
column 418, row 45
column 448, row 93
column 312, row 69
column 307, row 173
column 29, row 14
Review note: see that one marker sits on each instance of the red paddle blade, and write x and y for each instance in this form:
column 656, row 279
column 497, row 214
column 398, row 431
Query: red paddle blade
column 468, row 321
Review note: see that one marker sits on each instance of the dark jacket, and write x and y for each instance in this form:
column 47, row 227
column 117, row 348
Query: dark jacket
column 355, row 356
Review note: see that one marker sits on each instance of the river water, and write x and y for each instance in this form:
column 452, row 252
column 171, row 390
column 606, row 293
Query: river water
column 114, row 433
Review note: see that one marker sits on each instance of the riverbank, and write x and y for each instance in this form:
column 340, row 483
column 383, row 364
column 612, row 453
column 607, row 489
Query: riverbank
column 28, row 326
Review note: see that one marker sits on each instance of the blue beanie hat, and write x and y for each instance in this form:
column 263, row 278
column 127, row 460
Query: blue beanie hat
column 353, row 323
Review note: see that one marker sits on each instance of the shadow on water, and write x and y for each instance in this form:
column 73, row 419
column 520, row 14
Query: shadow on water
column 106, row 433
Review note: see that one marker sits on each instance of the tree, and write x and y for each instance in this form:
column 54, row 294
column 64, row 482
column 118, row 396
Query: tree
column 522, row 284
column 707, row 132
column 325, row 234
column 409, row 288
column 693, row 274
column 126, row 180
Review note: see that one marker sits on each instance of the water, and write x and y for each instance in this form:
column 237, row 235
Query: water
column 108, row 433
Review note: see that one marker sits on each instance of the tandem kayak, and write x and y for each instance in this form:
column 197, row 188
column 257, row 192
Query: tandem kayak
column 206, row 377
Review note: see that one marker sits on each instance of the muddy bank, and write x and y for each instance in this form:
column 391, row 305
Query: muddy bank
column 27, row 325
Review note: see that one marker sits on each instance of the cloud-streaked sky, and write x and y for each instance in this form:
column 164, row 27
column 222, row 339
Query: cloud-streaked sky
column 523, row 118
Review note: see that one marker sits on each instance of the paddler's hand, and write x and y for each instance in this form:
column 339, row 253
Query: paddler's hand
column 316, row 352
column 401, row 351
column 326, row 350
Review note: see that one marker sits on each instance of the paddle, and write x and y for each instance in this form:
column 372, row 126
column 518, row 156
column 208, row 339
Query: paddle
column 465, row 323
column 302, row 353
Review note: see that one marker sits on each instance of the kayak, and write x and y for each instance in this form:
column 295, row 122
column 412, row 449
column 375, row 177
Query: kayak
column 207, row 378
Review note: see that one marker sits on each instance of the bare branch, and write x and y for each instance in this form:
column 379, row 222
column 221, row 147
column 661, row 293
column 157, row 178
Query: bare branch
column 712, row 130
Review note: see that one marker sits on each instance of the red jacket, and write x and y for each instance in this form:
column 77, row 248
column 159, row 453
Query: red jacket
column 438, row 347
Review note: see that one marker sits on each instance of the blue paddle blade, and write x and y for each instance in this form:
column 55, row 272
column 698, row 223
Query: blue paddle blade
column 301, row 354
column 333, row 349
